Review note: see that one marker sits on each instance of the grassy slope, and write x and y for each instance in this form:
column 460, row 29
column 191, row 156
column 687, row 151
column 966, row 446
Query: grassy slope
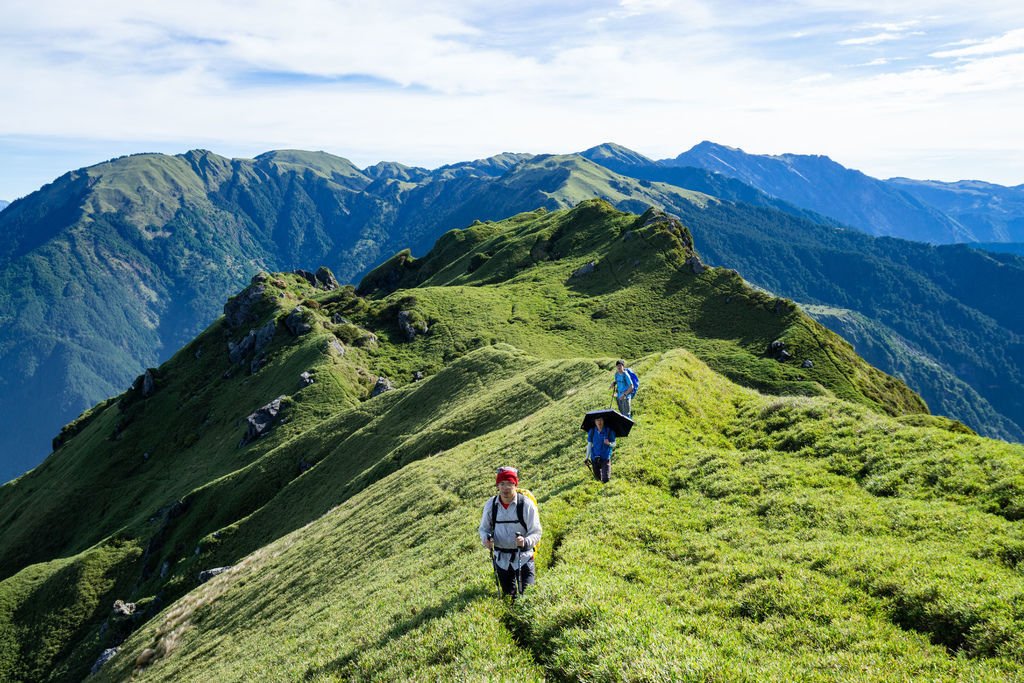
column 101, row 491
column 742, row 538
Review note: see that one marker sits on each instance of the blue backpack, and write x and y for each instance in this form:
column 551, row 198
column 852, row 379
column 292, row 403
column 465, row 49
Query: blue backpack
column 636, row 380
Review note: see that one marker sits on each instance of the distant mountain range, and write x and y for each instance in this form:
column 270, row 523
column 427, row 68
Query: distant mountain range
column 4, row 204
column 923, row 210
column 107, row 270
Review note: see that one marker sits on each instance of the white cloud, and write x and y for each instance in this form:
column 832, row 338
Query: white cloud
column 872, row 40
column 470, row 79
column 1010, row 41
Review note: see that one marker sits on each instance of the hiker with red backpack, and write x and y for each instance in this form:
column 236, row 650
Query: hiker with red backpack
column 510, row 529
column 625, row 386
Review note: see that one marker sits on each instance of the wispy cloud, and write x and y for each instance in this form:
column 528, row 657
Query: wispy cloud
column 1011, row 41
column 434, row 81
column 872, row 40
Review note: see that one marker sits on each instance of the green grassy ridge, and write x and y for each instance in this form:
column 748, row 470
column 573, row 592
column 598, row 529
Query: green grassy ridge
column 703, row 560
column 642, row 297
column 199, row 500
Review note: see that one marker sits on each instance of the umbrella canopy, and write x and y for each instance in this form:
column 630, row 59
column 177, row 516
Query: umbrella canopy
column 619, row 423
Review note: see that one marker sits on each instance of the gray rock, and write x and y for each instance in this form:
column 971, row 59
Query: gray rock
column 368, row 340
column 239, row 309
column 409, row 326
column 165, row 569
column 145, row 384
column 107, row 655
column 628, row 236
column 237, row 351
column 383, row 384
column 585, row 269
column 784, row 355
column 306, row 378
column 339, row 319
column 208, row 574
column 123, row 609
column 417, row 376
column 255, row 343
column 307, row 276
column 263, row 336
column 326, row 278
column 262, row 421
column 807, row 363
column 297, row 323
column 696, row 265
column 335, row 345
column 257, row 363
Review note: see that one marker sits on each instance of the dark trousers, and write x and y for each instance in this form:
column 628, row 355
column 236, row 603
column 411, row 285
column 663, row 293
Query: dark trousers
column 602, row 469
column 507, row 577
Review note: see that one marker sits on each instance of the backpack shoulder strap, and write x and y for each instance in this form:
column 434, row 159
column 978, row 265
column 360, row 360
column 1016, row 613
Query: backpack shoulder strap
column 520, row 504
column 494, row 513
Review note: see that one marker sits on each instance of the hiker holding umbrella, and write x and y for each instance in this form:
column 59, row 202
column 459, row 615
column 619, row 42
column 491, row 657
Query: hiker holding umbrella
column 510, row 529
column 602, row 426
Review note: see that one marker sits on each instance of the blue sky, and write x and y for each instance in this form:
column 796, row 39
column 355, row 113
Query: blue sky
column 927, row 90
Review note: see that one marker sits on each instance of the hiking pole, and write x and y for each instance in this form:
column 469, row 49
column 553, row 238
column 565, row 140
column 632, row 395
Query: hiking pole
column 519, row 566
column 494, row 566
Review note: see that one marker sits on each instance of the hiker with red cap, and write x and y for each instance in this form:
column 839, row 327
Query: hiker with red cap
column 510, row 529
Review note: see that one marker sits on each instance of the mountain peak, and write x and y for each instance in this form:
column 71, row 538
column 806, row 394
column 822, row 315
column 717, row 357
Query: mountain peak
column 610, row 151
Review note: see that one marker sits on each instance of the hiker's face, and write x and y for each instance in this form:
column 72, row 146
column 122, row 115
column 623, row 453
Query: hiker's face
column 620, row 368
column 599, row 423
column 507, row 489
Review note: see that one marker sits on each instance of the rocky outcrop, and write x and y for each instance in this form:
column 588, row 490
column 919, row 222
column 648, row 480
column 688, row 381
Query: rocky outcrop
column 411, row 325
column 323, row 278
column 586, row 269
column 335, row 345
column 367, row 341
column 807, row 363
column 326, row 278
column 241, row 309
column 123, row 609
column 107, row 655
column 208, row 574
column 145, row 384
column 777, row 350
column 306, row 378
column 383, row 384
column 298, row 321
column 254, row 343
column 696, row 265
column 262, row 421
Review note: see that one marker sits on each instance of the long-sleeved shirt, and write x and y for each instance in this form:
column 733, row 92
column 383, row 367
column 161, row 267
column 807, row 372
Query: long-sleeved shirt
column 598, row 450
column 506, row 527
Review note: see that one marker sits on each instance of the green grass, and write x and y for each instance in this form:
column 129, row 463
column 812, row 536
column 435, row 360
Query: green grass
column 831, row 530
column 702, row 560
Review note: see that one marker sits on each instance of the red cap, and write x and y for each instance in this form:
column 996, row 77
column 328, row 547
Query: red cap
column 507, row 474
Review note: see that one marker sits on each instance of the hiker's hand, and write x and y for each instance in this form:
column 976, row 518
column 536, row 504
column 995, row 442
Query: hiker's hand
column 607, row 442
column 489, row 544
column 520, row 541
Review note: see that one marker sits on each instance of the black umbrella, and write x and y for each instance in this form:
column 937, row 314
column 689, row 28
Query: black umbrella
column 619, row 423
